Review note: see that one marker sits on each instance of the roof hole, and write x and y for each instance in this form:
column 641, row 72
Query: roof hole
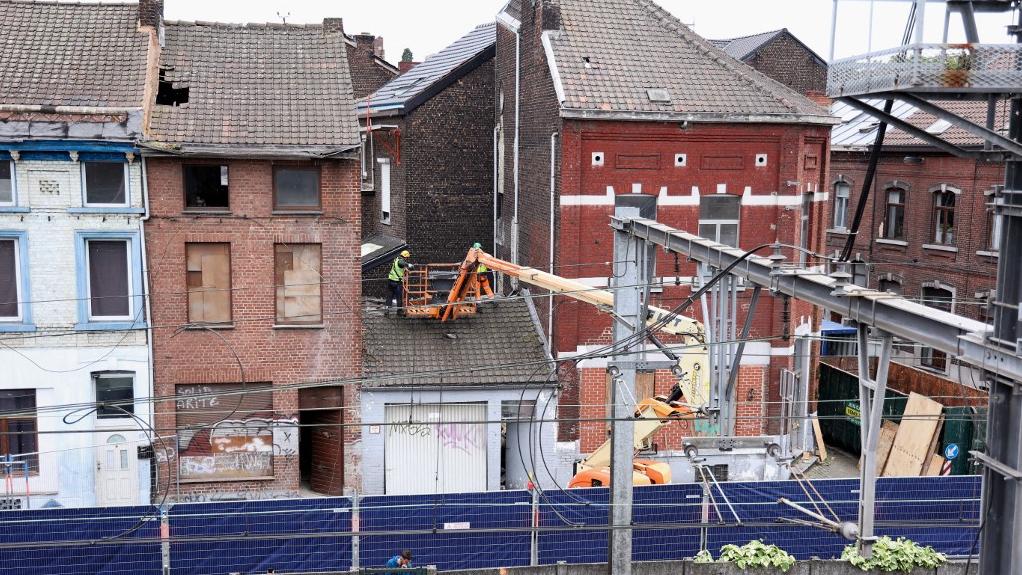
column 167, row 94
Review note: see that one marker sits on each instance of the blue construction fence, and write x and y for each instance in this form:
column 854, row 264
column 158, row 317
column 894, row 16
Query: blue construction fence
column 475, row 530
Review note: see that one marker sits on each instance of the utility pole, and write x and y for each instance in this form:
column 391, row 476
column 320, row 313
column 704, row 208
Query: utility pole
column 631, row 271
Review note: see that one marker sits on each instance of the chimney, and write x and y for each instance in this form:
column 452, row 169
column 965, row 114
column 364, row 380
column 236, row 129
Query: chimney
column 551, row 14
column 403, row 66
column 333, row 25
column 378, row 47
column 150, row 13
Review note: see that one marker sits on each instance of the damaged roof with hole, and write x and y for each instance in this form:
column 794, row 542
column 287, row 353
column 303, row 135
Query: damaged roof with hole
column 858, row 130
column 611, row 55
column 409, row 90
column 84, row 55
column 452, row 352
column 273, row 86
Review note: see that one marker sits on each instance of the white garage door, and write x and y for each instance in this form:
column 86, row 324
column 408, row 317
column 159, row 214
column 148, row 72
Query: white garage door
column 433, row 448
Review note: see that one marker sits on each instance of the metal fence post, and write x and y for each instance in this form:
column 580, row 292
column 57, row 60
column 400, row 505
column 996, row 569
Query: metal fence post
column 165, row 540
column 355, row 527
column 534, row 540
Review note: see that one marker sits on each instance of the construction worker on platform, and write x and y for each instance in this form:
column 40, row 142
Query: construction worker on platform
column 395, row 279
column 483, row 276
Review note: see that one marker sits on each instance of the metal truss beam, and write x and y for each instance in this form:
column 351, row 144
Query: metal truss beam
column 975, row 129
column 959, row 336
column 909, row 128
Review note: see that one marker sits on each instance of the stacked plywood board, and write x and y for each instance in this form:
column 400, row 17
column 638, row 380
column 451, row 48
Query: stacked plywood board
column 912, row 451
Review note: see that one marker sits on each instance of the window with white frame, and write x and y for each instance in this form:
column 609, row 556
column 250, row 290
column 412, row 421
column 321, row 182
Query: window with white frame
column 10, row 280
column 842, row 191
column 7, row 186
column 894, row 223
column 105, row 183
column 993, row 224
column 385, row 191
column 108, row 278
column 115, row 394
column 719, row 218
column 803, row 241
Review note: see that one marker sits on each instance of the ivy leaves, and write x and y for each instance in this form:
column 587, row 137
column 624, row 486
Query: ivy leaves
column 894, row 555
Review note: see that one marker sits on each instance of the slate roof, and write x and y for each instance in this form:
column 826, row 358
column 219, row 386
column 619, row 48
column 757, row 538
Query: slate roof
column 609, row 53
column 417, row 85
column 397, row 346
column 71, row 54
column 858, row 130
column 257, row 85
column 744, row 46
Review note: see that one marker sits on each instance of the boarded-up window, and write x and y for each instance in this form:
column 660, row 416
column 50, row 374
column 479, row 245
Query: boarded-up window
column 209, row 283
column 225, row 432
column 298, row 278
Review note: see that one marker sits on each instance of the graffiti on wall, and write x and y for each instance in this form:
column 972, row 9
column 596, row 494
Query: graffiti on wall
column 463, row 437
column 237, row 448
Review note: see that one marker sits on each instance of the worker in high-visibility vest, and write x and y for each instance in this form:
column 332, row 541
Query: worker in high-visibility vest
column 395, row 279
column 483, row 275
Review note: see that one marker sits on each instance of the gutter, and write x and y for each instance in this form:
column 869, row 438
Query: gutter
column 553, row 194
column 158, row 149
column 708, row 118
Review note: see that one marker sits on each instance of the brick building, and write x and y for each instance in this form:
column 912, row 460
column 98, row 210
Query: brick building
column 73, row 318
column 369, row 70
column 427, row 166
column 252, row 161
column 928, row 231
column 782, row 56
column 621, row 104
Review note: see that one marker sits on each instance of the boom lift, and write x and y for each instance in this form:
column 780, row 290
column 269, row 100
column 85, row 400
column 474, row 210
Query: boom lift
column 651, row 413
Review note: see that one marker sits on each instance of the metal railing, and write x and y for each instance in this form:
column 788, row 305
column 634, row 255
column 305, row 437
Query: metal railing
column 982, row 68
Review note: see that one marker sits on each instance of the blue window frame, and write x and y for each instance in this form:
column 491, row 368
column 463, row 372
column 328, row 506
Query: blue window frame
column 22, row 321
column 110, row 298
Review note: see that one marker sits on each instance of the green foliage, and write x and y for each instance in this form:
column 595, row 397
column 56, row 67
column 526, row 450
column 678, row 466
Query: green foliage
column 703, row 556
column 406, row 56
column 757, row 554
column 958, row 61
column 891, row 556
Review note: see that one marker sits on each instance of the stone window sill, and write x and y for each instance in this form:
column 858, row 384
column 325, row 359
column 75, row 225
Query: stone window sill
column 988, row 254
column 940, row 248
column 839, row 232
column 107, row 210
column 14, row 210
column 211, row 212
column 299, row 326
column 15, row 327
column 888, row 242
column 303, row 213
column 205, row 326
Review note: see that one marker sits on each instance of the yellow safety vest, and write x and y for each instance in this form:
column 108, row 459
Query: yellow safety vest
column 397, row 270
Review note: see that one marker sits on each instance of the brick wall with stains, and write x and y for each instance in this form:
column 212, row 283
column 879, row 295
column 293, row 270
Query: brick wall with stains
column 268, row 353
column 791, row 63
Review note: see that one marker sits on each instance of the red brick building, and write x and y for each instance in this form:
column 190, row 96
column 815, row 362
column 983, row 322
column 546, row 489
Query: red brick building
column 616, row 102
column 369, row 70
column 928, row 231
column 252, row 164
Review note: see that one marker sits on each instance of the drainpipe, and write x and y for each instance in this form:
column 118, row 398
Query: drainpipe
column 518, row 107
column 148, row 305
column 553, row 193
column 496, row 184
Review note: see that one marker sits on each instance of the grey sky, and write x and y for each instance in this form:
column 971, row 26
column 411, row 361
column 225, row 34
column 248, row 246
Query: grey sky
column 427, row 26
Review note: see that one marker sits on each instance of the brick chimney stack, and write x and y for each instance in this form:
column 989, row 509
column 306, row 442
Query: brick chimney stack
column 403, row 66
column 333, row 25
column 378, row 47
column 150, row 13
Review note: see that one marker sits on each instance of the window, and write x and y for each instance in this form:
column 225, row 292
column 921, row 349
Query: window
column 719, row 218
column 944, row 216
column 208, row 267
column 109, row 279
column 213, row 449
column 894, row 224
column 804, row 243
column 298, row 280
column 18, row 427
column 994, row 228
column 296, row 188
column 7, row 197
column 10, row 280
column 206, row 187
column 889, row 284
column 105, row 183
column 385, row 191
column 942, row 299
column 842, row 191
column 114, row 388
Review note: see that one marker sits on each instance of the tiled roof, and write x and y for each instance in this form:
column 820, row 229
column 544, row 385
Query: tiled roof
column 513, row 9
column 494, row 340
column 858, row 130
column 409, row 89
column 81, row 54
column 744, row 46
column 611, row 53
column 258, row 85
